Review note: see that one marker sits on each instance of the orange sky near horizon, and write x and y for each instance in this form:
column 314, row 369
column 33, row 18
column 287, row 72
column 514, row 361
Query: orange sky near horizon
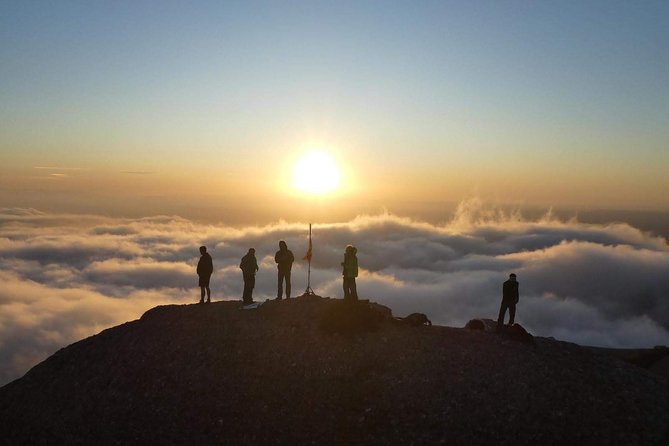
column 125, row 109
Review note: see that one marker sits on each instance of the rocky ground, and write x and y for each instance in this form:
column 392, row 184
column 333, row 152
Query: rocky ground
column 320, row 371
column 654, row 359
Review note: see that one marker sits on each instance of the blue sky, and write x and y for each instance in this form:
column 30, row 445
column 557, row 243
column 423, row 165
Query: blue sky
column 464, row 90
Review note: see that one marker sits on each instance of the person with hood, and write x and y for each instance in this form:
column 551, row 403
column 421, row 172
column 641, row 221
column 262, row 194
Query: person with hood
column 350, row 272
column 205, row 267
column 284, row 259
column 249, row 266
column 509, row 301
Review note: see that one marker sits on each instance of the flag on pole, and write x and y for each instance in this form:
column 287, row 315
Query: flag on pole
column 309, row 291
column 308, row 255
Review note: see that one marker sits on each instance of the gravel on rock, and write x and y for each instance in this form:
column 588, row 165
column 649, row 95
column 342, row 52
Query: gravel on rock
column 324, row 372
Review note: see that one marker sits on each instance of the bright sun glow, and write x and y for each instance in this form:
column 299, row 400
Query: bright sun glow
column 316, row 173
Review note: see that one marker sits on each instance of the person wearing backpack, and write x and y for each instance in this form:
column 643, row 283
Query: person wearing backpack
column 249, row 266
column 350, row 272
column 284, row 261
column 205, row 267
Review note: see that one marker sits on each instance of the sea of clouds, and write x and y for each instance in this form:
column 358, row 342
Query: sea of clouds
column 65, row 277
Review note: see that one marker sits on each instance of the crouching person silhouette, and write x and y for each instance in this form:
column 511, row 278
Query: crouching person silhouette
column 509, row 301
column 205, row 267
column 350, row 272
column 249, row 266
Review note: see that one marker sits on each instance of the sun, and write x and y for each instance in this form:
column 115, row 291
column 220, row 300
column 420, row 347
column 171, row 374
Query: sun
column 316, row 173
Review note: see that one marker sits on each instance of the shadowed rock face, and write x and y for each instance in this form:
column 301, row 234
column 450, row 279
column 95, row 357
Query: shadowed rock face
column 212, row 374
column 515, row 332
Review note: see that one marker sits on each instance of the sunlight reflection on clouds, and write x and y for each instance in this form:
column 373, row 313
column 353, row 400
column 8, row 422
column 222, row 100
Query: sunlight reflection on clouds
column 69, row 276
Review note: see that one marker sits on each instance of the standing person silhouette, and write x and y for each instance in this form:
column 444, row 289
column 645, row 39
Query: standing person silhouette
column 205, row 267
column 284, row 259
column 249, row 266
column 509, row 300
column 350, row 272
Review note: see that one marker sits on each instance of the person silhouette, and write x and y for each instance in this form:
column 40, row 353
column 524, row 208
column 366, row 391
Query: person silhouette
column 284, row 259
column 205, row 267
column 249, row 266
column 350, row 272
column 509, row 301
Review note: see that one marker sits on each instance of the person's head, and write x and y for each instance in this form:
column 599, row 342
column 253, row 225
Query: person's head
column 252, row 251
column 512, row 276
column 282, row 245
column 350, row 249
column 203, row 249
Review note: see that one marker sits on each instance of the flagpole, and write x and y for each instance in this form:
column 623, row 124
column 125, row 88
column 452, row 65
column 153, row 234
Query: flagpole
column 309, row 291
column 309, row 269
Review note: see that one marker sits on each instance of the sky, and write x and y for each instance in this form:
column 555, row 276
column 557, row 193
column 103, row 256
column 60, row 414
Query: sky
column 167, row 107
column 469, row 139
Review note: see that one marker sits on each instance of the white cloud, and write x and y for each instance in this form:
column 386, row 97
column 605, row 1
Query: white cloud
column 68, row 276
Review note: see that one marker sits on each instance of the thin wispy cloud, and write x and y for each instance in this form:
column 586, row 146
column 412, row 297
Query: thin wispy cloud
column 68, row 276
column 58, row 168
column 56, row 172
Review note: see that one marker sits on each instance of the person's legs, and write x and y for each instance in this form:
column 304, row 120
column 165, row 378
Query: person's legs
column 287, row 284
column 208, row 294
column 346, row 293
column 502, row 313
column 512, row 313
column 252, row 284
column 354, row 289
column 202, row 294
column 245, row 293
column 279, row 291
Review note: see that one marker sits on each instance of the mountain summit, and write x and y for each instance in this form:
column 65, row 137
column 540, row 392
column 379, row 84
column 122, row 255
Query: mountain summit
column 322, row 371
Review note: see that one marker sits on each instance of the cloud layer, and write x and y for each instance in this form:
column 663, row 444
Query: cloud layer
column 69, row 276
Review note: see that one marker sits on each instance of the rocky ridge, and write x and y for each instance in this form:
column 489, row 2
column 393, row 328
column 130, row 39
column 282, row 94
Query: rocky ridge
column 321, row 371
